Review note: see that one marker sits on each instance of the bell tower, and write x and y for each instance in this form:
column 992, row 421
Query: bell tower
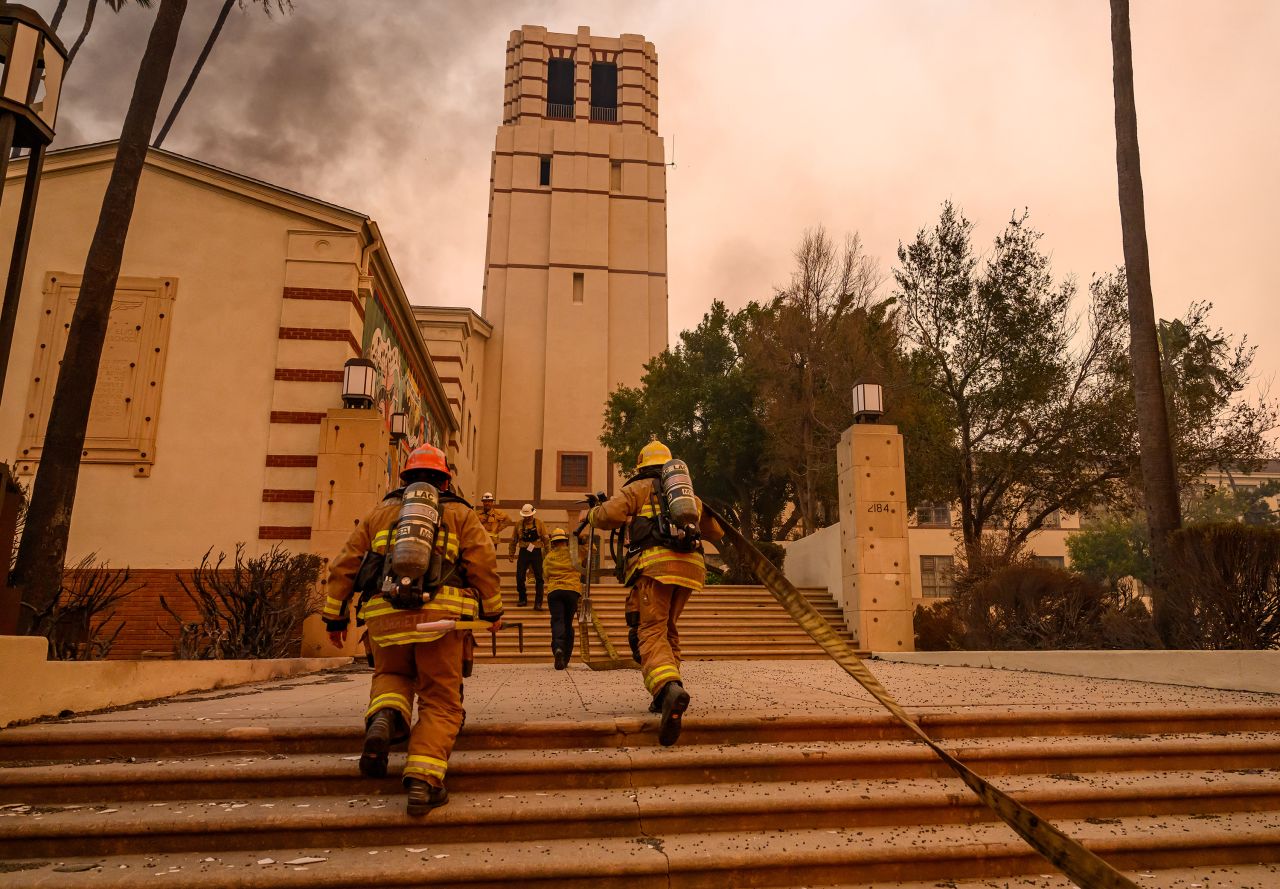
column 575, row 281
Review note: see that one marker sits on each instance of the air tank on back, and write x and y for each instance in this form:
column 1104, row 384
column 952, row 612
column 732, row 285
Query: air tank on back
column 677, row 489
column 415, row 534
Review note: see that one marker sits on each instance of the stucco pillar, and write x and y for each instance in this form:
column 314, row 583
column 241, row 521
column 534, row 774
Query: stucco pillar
column 875, row 561
column 351, row 479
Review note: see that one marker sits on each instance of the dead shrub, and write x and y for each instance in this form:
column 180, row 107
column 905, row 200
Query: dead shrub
column 252, row 609
column 1226, row 577
column 75, row 621
column 937, row 626
column 1039, row 607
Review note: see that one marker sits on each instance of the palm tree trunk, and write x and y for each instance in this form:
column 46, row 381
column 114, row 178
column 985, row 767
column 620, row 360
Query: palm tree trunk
column 195, row 72
column 84, row 31
column 44, row 541
column 57, row 15
column 1159, row 478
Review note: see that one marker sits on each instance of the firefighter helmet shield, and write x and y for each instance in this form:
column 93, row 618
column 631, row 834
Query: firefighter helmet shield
column 655, row 453
column 426, row 457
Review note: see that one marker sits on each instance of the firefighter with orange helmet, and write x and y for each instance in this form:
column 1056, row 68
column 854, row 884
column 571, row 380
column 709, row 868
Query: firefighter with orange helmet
column 664, row 567
column 408, row 662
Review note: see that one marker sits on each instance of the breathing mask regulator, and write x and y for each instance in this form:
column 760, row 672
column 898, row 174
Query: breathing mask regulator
column 415, row 570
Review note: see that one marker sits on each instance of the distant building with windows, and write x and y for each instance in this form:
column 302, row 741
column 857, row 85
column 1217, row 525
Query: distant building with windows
column 933, row 536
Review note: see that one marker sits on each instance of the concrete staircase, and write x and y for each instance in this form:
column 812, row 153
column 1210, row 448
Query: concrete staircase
column 719, row 623
column 742, row 801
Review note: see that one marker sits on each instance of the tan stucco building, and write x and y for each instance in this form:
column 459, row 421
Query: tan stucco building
column 456, row 338
column 576, row 262
column 217, row 418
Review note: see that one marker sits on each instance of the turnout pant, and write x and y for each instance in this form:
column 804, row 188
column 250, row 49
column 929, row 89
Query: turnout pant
column 431, row 671
column 526, row 560
column 563, row 605
column 660, row 607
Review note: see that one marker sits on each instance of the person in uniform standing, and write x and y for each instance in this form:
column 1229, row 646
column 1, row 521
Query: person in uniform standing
column 492, row 518
column 530, row 537
column 564, row 584
column 663, row 573
column 409, row 663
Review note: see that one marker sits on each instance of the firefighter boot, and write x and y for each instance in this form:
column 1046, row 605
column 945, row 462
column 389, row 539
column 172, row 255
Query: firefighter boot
column 424, row 797
column 562, row 660
column 675, row 700
column 377, row 741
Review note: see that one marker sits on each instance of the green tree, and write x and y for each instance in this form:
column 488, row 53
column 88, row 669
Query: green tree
column 1110, row 547
column 1030, row 399
column 1245, row 503
column 806, row 349
column 699, row 398
column 1206, row 372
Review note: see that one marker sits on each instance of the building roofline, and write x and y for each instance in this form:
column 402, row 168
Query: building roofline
column 465, row 316
column 103, row 153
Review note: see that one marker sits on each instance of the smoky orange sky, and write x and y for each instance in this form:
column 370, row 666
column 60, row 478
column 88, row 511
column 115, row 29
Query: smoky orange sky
column 860, row 116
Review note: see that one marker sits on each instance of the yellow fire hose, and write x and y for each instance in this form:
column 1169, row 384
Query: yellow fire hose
column 1084, row 867
column 587, row 612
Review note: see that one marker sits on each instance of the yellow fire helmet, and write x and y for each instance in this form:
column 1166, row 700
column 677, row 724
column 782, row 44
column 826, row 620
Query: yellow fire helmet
column 655, row 453
column 558, row 535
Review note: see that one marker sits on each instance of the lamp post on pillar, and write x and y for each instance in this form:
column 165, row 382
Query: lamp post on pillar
column 875, row 556
column 33, row 61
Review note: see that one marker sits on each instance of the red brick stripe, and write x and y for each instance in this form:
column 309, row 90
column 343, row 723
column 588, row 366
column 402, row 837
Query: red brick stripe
column 291, row 460
column 441, row 359
column 302, row 375
column 321, row 293
column 457, row 380
column 287, row 495
column 284, row 532
column 300, row 417
column 331, row 334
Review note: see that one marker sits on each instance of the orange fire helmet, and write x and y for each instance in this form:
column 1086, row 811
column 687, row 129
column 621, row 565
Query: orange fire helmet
column 426, row 457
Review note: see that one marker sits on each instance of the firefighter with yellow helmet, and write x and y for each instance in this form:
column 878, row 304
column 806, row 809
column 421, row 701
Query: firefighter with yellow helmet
column 665, row 526
column 458, row 580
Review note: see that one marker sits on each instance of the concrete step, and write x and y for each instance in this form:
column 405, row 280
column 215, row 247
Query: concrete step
column 262, row 776
column 301, row 821
column 642, row 860
column 108, row 741
column 745, row 799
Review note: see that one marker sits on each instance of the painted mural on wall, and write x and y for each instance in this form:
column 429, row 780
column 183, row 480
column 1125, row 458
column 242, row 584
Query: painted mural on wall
column 400, row 389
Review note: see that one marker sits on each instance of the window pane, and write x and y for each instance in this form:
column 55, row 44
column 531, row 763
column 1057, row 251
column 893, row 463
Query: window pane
column 573, row 471
column 604, row 85
column 560, row 81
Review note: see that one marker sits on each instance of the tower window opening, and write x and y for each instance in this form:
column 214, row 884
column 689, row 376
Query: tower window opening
column 615, row 176
column 604, row 91
column 573, row 471
column 544, row 170
column 578, row 286
column 560, row 88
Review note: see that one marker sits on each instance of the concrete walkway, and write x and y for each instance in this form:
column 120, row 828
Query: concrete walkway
column 528, row 692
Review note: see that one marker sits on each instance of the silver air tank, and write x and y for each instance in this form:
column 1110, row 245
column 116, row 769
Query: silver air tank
column 677, row 488
column 415, row 535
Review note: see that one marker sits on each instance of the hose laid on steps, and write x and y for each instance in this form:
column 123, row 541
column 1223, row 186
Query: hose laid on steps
column 586, row 607
column 1082, row 866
